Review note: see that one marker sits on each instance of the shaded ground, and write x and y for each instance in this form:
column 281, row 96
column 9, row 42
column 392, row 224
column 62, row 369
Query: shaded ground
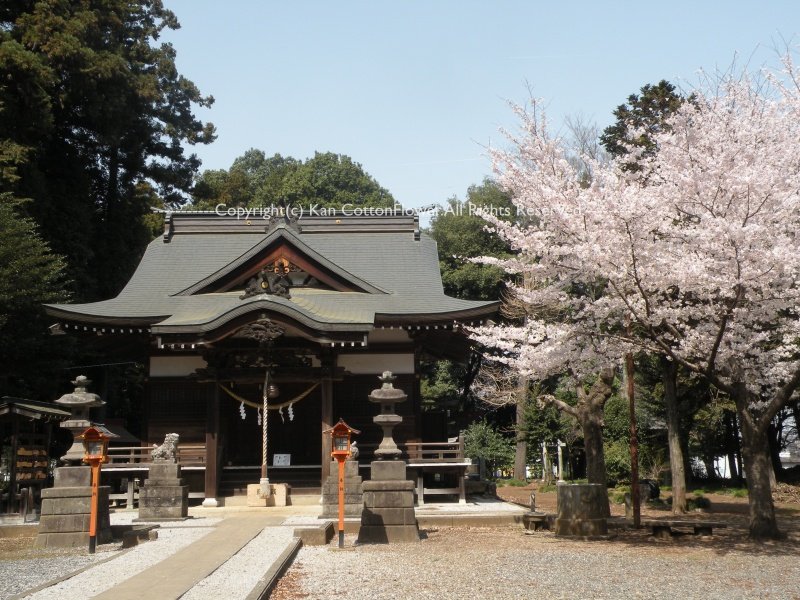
column 787, row 503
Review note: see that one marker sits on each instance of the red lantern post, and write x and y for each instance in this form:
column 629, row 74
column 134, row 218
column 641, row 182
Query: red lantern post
column 341, row 433
column 95, row 445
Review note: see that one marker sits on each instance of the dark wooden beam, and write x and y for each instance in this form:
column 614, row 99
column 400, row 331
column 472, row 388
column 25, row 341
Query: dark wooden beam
column 212, row 443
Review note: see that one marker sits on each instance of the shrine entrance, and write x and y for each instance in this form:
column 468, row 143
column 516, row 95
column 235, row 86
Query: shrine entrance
column 294, row 415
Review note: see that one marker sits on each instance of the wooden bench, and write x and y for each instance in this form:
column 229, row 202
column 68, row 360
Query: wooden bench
column 662, row 529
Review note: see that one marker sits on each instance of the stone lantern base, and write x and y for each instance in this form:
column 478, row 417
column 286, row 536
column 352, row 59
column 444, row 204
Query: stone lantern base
column 66, row 507
column 353, row 495
column 388, row 514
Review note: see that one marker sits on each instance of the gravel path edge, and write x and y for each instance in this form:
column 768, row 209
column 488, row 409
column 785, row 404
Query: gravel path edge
column 265, row 585
column 75, row 573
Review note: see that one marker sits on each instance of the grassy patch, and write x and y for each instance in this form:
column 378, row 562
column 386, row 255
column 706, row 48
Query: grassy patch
column 511, row 482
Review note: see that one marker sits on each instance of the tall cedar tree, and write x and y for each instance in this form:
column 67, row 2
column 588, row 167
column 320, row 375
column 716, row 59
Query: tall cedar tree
column 29, row 276
column 94, row 116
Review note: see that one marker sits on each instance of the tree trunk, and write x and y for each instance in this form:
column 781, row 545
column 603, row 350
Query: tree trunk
column 773, row 436
column 669, row 374
column 521, row 451
column 732, row 433
column 757, row 467
column 593, row 443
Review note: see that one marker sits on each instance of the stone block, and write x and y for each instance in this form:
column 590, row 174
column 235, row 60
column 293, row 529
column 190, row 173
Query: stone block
column 350, row 468
column 77, row 492
column 67, row 506
column 383, row 470
column 348, row 498
column 170, row 494
column 62, row 540
column 316, row 535
column 73, row 477
column 388, row 534
column 164, row 471
column 388, row 516
column 279, row 495
column 352, row 511
column 581, row 527
column 351, row 486
column 63, row 523
column 389, row 499
column 388, row 486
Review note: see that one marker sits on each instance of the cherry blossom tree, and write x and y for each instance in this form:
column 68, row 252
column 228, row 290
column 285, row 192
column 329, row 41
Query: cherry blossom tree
column 695, row 257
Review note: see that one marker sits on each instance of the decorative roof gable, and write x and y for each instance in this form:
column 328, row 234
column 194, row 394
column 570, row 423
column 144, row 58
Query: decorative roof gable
column 281, row 260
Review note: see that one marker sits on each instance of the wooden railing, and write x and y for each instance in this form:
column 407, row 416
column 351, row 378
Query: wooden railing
column 131, row 457
column 422, row 452
column 436, row 452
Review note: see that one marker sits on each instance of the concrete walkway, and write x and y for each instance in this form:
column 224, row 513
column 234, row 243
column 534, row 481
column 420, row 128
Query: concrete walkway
column 177, row 574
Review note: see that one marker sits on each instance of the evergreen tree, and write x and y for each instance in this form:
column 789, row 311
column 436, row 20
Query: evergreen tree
column 94, row 115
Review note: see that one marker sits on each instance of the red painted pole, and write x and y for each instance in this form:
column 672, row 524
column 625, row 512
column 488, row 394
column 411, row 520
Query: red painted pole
column 93, row 510
column 341, row 501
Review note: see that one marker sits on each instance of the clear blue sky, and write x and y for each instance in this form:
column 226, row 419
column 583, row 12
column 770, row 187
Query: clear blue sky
column 415, row 90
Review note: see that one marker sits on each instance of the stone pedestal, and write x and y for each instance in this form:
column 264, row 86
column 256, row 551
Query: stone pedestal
column 388, row 514
column 163, row 497
column 353, row 494
column 278, row 495
column 66, row 507
column 582, row 510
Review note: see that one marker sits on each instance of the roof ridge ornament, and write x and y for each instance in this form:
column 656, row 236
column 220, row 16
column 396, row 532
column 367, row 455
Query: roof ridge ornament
column 271, row 281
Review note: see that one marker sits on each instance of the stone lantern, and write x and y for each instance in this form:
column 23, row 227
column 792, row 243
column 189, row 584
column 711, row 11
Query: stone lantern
column 387, row 396
column 388, row 512
column 78, row 402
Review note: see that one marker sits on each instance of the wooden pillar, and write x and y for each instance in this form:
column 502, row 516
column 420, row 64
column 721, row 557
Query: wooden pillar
column 326, row 416
column 12, row 483
column 212, row 445
column 417, row 391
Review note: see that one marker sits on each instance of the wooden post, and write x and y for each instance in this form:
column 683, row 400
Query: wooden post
column 635, row 492
column 12, row 483
column 212, row 437
column 326, row 412
column 129, row 493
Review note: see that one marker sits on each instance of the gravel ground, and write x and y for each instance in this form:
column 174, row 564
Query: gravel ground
column 23, row 567
column 236, row 577
column 505, row 563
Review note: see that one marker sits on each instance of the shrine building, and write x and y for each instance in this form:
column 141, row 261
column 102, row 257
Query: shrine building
column 317, row 308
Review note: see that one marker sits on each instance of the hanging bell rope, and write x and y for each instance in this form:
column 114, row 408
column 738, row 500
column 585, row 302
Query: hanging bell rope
column 252, row 404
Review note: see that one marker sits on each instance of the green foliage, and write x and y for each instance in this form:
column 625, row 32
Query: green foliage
column 618, row 460
column 29, row 275
column 327, row 180
column 93, row 118
column 483, row 440
column 639, row 119
column 440, row 384
column 617, row 496
column 461, row 234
